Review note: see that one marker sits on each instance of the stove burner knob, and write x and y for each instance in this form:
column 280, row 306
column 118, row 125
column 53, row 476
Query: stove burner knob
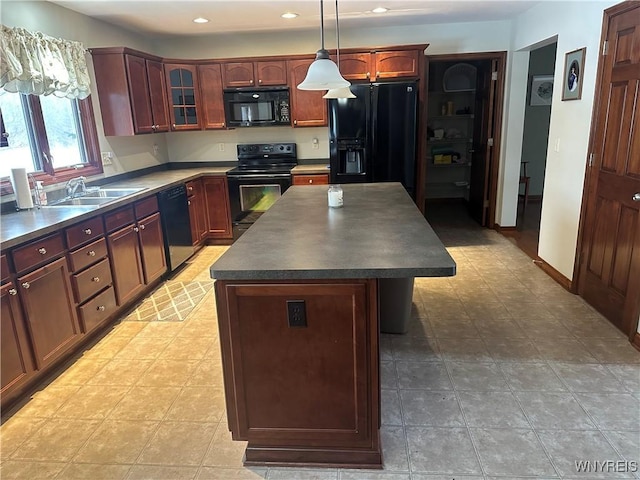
column 281, row 147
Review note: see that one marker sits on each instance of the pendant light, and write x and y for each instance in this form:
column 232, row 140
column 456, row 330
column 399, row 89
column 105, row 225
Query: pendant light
column 342, row 92
column 323, row 74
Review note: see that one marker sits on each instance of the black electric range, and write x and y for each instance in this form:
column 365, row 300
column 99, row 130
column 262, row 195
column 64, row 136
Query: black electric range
column 263, row 174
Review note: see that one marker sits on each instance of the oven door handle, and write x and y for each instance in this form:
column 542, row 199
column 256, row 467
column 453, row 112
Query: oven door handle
column 261, row 176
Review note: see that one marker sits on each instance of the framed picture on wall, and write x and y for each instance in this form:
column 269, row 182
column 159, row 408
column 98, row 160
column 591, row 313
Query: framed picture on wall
column 541, row 90
column 573, row 74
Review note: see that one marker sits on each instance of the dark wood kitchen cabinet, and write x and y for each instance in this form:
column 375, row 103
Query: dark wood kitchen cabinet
column 397, row 64
column 50, row 311
column 210, row 77
column 381, row 65
column 197, row 211
column 308, row 108
column 16, row 356
column 255, row 74
column 154, row 261
column 136, row 248
column 216, row 195
column 183, row 96
column 355, row 66
column 131, row 91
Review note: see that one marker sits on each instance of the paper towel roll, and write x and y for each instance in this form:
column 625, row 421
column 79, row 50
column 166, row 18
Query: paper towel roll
column 21, row 188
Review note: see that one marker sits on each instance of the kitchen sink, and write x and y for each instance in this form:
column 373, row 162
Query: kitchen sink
column 95, row 196
column 82, row 201
column 111, row 192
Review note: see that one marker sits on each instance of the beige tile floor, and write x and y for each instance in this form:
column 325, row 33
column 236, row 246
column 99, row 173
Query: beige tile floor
column 503, row 374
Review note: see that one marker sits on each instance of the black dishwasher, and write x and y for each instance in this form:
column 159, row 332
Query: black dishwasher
column 174, row 211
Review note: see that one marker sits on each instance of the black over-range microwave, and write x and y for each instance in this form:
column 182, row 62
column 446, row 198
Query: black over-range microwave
column 256, row 107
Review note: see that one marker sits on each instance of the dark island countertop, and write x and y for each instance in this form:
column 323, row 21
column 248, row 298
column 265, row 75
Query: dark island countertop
column 379, row 233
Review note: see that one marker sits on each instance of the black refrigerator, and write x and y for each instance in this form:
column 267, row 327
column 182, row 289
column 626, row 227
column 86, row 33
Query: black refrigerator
column 372, row 138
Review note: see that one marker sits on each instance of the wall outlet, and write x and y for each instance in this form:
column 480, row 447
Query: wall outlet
column 296, row 313
column 107, row 158
column 156, row 149
column 221, row 147
column 315, row 144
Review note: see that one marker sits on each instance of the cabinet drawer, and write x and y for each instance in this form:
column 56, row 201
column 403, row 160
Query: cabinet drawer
column 87, row 255
column 4, row 268
column 146, row 207
column 319, row 179
column 119, row 218
column 84, row 232
column 35, row 253
column 96, row 310
column 92, row 280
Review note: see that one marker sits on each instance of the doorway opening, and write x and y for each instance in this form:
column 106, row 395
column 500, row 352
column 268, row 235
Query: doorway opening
column 535, row 140
column 464, row 117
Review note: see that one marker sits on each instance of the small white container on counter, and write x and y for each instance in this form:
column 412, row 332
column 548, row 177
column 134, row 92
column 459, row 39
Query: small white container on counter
column 335, row 196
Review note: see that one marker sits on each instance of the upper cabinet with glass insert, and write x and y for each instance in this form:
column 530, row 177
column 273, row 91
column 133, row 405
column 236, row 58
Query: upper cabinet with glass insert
column 182, row 92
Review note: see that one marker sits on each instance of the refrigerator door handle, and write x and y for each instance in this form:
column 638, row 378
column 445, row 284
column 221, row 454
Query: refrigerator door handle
column 374, row 133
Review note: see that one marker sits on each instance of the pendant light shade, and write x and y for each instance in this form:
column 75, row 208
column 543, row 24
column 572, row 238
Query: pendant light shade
column 344, row 92
column 323, row 74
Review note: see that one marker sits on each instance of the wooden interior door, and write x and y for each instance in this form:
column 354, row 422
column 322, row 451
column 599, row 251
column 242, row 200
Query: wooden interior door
column 609, row 260
column 481, row 150
column 486, row 140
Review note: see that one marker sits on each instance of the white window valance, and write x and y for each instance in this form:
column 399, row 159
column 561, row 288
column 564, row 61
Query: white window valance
column 37, row 64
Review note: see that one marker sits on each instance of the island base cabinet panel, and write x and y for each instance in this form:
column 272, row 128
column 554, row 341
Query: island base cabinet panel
column 300, row 364
column 16, row 362
column 51, row 317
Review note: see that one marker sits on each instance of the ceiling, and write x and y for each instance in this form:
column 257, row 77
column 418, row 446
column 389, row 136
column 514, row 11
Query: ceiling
column 162, row 17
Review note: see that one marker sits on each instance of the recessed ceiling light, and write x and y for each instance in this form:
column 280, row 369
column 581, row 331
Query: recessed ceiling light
column 380, row 10
column 200, row 20
column 289, row 15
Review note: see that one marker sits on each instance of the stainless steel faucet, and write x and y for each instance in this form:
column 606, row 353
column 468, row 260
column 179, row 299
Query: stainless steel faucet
column 73, row 185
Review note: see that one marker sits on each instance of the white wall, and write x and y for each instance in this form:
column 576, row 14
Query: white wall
column 576, row 25
column 130, row 153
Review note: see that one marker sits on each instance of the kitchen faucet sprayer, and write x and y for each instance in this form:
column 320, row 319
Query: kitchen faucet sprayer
column 73, row 185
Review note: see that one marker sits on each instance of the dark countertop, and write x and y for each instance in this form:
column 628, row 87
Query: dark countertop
column 379, row 233
column 18, row 227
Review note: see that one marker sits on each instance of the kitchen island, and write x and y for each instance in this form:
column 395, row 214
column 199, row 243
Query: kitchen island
column 299, row 298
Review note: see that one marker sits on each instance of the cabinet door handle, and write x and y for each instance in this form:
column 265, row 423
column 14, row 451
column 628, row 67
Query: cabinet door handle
column 310, row 181
column 26, row 285
column 136, row 229
column 96, row 279
column 91, row 253
column 141, row 227
column 636, row 197
column 295, row 122
column 377, row 74
column 260, row 81
column 368, row 74
column 188, row 202
column 42, row 251
column 173, row 125
column 13, row 291
column 101, row 308
column 251, row 82
column 87, row 231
